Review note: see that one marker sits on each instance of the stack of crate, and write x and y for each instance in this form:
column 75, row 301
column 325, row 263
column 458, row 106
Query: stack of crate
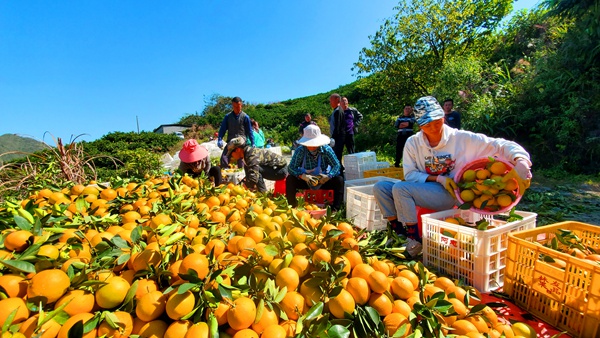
column 356, row 164
column 361, row 206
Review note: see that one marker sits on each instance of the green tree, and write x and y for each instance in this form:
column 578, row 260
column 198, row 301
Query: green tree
column 411, row 48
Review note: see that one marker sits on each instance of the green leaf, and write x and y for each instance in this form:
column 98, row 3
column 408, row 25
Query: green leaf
column 22, row 223
column 315, row 311
column 338, row 331
column 119, row 242
column 76, row 331
column 19, row 265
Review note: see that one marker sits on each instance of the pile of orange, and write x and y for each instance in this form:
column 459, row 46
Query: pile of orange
column 175, row 257
column 482, row 186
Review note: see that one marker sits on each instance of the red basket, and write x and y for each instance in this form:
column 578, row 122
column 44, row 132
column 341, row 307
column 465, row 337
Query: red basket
column 479, row 164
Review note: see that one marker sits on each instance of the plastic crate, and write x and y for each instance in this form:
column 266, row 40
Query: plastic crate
column 397, row 173
column 234, row 177
column 361, row 206
column 269, row 184
column 319, row 197
column 478, row 257
column 353, row 173
column 569, row 298
column 366, row 181
column 359, row 158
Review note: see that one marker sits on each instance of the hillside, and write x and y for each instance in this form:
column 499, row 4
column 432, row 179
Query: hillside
column 13, row 142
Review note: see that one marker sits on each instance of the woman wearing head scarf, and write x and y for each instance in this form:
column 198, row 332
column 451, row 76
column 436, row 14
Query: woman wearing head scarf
column 258, row 163
column 195, row 160
column 430, row 160
column 314, row 166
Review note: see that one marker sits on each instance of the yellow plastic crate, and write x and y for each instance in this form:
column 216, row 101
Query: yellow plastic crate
column 392, row 172
column 569, row 298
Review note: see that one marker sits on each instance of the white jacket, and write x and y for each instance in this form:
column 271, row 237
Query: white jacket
column 456, row 148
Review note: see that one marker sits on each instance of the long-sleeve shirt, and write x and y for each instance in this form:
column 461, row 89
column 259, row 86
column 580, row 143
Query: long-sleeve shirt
column 456, row 149
column 259, row 138
column 328, row 159
column 254, row 158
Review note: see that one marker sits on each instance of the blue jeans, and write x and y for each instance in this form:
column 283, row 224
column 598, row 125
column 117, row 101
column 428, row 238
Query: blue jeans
column 399, row 199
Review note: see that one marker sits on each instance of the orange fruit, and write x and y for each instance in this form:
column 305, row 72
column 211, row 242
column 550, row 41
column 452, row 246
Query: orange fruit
column 401, row 307
column 311, row 294
column 220, row 312
column 8, row 305
column 498, row 168
column 293, row 305
column 300, row 264
column 274, row 331
column 156, row 328
column 246, row 333
column 160, row 219
column 321, row 255
column 378, row 282
column 48, row 330
column 83, row 317
column 414, row 279
column 354, row 257
column 359, row 289
column 342, row 303
column 151, row 306
column 197, row 262
column 381, row 303
column 48, row 286
column 268, row 318
column 245, row 246
column 18, row 240
column 402, row 288
column 459, row 307
column 287, row 277
column 13, row 285
column 113, row 293
column 444, row 283
column 198, row 330
column 79, row 301
column 180, row 304
column 242, row 313
column 178, row 329
column 216, row 245
column 393, row 322
column 124, row 321
column 362, row 270
column 462, row 327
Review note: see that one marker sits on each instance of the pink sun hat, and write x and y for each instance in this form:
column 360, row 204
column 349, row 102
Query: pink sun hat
column 192, row 151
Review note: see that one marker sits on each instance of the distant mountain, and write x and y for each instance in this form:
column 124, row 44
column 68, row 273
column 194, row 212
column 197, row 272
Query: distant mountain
column 13, row 142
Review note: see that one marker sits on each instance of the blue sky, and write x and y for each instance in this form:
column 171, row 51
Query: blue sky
column 93, row 67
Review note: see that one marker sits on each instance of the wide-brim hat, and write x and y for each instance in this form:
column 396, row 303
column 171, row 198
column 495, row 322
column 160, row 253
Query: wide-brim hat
column 427, row 109
column 312, row 137
column 192, row 152
column 235, row 143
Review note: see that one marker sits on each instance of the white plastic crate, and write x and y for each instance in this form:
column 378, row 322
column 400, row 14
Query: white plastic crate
column 478, row 257
column 276, row 150
column 366, row 181
column 359, row 158
column 234, row 177
column 361, row 206
column 356, row 172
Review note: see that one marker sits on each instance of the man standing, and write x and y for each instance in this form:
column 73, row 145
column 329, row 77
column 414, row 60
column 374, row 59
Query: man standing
column 235, row 124
column 451, row 117
column 337, row 126
column 404, row 126
column 352, row 118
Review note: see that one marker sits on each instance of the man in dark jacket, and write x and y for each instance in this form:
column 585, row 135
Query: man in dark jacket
column 258, row 163
column 236, row 123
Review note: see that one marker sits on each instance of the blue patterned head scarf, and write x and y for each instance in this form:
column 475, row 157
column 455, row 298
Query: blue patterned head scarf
column 427, row 109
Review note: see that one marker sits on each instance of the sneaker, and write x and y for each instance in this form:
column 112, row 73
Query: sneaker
column 414, row 248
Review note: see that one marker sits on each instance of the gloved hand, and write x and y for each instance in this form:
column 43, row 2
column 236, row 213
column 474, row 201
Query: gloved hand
column 521, row 173
column 310, row 179
column 323, row 178
column 220, row 143
column 447, row 183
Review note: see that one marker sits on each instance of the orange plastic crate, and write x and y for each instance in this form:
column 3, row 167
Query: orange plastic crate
column 569, row 298
column 392, row 172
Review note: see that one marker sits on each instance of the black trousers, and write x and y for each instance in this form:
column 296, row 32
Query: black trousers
column 400, row 142
column 293, row 184
column 215, row 173
column 270, row 173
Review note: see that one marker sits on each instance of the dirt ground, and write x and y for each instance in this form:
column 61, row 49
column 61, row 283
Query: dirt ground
column 562, row 200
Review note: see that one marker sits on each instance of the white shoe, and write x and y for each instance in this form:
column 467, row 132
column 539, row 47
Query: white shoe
column 414, row 248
